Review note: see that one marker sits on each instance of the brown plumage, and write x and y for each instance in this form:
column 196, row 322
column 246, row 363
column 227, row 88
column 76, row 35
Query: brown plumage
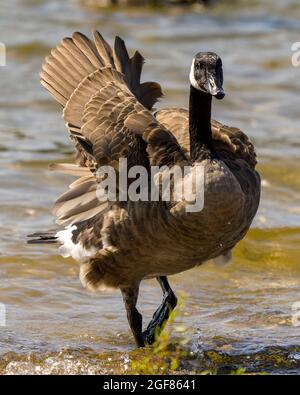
column 108, row 113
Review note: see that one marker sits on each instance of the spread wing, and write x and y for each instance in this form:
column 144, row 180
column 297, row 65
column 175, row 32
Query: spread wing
column 107, row 111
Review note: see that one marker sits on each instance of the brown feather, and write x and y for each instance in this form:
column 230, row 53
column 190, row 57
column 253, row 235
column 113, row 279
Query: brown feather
column 104, row 50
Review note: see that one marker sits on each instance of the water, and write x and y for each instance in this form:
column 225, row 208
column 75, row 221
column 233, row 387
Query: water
column 241, row 312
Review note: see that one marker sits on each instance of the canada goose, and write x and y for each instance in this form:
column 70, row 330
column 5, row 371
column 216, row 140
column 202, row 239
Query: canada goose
column 108, row 113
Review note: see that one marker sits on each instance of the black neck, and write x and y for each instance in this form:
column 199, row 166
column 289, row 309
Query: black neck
column 200, row 124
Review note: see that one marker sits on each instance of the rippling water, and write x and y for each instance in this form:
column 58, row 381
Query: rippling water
column 241, row 311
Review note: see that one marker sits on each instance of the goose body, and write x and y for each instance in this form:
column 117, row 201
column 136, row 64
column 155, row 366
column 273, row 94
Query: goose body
column 108, row 113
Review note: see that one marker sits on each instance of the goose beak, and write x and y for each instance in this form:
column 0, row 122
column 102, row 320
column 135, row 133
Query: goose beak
column 215, row 88
column 220, row 94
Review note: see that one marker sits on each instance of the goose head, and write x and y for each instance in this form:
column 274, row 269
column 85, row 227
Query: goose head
column 206, row 74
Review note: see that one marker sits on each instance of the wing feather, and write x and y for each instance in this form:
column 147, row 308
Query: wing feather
column 99, row 88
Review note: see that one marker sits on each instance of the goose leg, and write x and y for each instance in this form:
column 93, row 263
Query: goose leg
column 162, row 314
column 130, row 296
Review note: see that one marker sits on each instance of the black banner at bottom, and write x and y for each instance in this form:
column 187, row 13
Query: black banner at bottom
column 134, row 384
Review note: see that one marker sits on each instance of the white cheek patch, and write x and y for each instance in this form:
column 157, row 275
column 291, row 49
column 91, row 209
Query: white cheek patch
column 192, row 76
column 69, row 248
column 212, row 82
column 193, row 82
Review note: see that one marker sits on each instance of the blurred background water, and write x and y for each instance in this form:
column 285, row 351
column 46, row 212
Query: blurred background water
column 241, row 309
